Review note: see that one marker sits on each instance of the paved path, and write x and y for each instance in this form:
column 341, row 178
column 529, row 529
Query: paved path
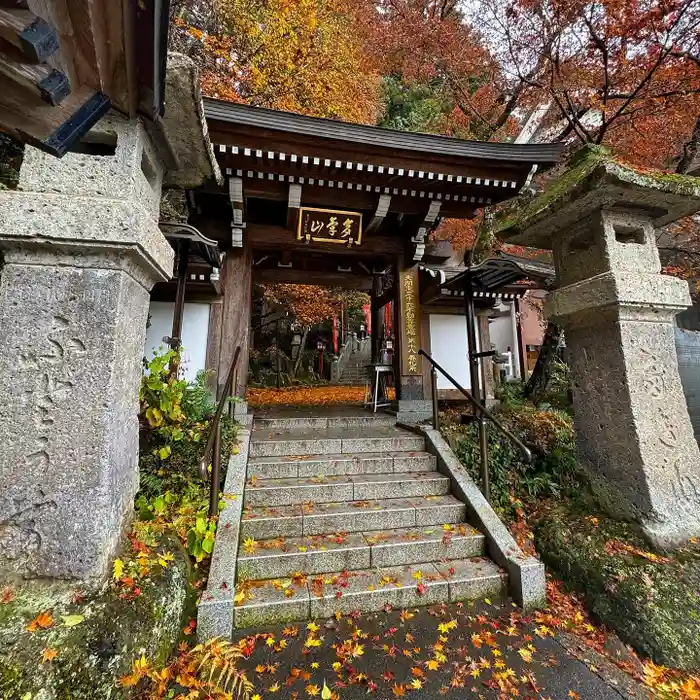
column 490, row 652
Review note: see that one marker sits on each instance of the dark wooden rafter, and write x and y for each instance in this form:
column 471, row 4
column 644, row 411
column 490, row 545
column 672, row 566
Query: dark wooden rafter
column 235, row 193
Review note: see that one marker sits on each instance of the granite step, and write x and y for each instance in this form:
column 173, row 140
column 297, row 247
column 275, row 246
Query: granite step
column 329, row 489
column 280, row 557
column 271, row 443
column 334, row 464
column 265, row 522
column 276, row 600
column 322, row 423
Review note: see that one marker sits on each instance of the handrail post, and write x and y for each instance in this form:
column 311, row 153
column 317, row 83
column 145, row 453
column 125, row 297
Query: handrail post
column 434, row 390
column 277, row 347
column 484, row 446
column 215, row 473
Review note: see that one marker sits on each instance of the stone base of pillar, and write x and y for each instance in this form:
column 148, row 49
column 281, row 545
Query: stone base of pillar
column 414, row 411
column 633, row 432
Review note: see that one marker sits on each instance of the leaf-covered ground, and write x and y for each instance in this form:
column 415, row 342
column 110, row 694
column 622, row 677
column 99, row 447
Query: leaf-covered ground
column 305, row 396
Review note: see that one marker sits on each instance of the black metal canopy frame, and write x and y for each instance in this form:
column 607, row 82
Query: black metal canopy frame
column 186, row 239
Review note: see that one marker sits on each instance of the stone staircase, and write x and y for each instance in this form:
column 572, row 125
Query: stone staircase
column 355, row 372
column 345, row 514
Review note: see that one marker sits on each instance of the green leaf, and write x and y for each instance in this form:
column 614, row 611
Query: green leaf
column 208, row 545
column 164, row 452
column 72, row 620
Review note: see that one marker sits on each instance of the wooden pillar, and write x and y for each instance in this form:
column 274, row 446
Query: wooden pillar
column 376, row 318
column 413, row 403
column 214, row 344
column 237, row 289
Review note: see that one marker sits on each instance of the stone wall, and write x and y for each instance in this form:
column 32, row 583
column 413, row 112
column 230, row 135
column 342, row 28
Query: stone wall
column 688, row 352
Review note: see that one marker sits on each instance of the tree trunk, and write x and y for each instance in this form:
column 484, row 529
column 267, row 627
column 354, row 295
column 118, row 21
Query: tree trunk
column 690, row 151
column 539, row 380
column 300, row 355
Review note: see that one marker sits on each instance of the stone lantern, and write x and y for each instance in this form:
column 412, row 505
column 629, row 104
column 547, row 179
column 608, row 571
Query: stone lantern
column 633, row 432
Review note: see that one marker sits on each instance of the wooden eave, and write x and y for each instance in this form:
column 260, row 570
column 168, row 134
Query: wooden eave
column 353, row 164
column 96, row 55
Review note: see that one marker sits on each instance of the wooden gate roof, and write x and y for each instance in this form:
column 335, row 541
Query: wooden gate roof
column 351, row 164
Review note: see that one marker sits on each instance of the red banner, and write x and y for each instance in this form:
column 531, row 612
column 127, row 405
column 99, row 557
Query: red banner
column 388, row 318
column 335, row 334
column 368, row 318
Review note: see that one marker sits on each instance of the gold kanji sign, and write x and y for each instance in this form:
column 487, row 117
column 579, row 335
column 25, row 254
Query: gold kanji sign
column 410, row 322
column 330, row 226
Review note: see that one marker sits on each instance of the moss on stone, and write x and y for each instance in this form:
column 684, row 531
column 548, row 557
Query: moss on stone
column 581, row 166
column 93, row 655
column 654, row 606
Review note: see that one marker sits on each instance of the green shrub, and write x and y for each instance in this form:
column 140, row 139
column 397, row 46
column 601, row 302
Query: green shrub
column 549, row 434
column 175, row 424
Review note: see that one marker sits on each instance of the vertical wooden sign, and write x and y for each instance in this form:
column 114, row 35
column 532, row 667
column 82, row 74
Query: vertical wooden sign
column 410, row 321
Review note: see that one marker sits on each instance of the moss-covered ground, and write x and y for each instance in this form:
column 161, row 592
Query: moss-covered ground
column 652, row 601
column 57, row 643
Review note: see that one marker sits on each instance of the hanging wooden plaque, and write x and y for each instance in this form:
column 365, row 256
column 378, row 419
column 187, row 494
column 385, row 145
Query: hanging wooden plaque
column 330, row 226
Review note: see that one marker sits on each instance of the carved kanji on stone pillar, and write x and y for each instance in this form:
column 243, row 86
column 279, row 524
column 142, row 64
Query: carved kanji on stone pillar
column 633, row 432
column 81, row 249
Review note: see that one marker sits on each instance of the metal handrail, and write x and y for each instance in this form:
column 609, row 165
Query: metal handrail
column 524, row 450
column 213, row 445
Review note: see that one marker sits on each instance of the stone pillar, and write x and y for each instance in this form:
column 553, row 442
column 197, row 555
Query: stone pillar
column 633, row 432
column 81, row 249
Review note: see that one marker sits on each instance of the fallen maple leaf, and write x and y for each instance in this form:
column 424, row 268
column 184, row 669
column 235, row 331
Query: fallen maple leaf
column 117, row 569
column 7, row 595
column 48, row 655
column 42, row 621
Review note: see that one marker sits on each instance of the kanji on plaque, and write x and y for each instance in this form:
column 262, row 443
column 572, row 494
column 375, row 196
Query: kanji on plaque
column 410, row 322
column 330, row 226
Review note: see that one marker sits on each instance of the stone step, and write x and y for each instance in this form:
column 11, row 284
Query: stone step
column 266, row 522
column 366, row 590
column 333, row 441
column 329, row 489
column 321, row 423
column 333, row 464
column 280, row 557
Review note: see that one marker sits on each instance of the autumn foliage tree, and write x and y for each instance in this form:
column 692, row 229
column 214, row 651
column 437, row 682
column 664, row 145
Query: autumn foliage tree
column 295, row 55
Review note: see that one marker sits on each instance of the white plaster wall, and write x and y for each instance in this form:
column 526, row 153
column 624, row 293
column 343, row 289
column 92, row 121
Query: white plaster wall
column 448, row 346
column 502, row 336
column 195, row 328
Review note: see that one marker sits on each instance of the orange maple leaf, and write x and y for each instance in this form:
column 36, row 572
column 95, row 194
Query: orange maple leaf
column 42, row 621
column 48, row 655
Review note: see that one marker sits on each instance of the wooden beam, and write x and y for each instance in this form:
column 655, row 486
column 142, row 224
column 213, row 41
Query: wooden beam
column 324, row 279
column 293, row 205
column 265, row 237
column 48, row 84
column 235, row 193
column 32, row 35
column 379, row 214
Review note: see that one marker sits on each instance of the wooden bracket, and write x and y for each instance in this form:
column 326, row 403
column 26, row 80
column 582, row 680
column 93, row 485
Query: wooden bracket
column 381, row 212
column 293, row 206
column 32, row 35
column 429, row 223
column 235, row 193
column 74, row 128
column 51, row 85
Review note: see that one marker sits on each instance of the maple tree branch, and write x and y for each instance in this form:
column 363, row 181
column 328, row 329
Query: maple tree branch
column 690, row 150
